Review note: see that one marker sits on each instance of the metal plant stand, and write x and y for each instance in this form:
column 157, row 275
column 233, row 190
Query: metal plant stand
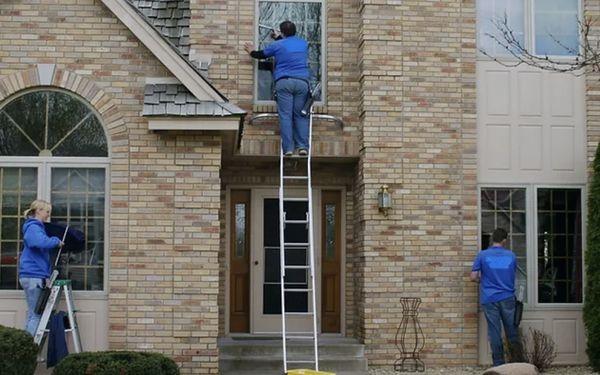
column 410, row 339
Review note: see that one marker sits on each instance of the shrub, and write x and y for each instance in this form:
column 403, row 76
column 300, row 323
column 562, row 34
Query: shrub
column 591, row 305
column 18, row 353
column 536, row 347
column 116, row 363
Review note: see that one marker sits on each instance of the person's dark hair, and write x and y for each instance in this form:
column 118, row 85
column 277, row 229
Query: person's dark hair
column 499, row 235
column 287, row 28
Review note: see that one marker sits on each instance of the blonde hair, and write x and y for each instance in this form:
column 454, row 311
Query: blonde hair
column 36, row 205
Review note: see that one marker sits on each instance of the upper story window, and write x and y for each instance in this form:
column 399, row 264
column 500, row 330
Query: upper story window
column 543, row 27
column 308, row 17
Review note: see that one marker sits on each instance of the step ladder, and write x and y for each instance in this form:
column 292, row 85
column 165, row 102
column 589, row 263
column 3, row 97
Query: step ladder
column 58, row 287
column 308, row 245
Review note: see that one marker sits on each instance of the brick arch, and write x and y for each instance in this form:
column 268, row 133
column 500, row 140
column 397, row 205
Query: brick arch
column 48, row 75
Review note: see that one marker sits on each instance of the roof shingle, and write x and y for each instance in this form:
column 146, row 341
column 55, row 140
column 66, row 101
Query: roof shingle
column 176, row 100
column 171, row 18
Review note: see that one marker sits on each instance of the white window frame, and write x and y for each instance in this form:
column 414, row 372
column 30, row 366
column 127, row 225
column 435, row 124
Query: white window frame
column 44, row 167
column 528, row 33
column 531, row 238
column 323, row 3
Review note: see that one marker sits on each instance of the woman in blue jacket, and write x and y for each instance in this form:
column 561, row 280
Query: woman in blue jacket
column 34, row 264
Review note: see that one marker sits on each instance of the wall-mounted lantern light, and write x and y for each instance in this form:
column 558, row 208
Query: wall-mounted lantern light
column 384, row 199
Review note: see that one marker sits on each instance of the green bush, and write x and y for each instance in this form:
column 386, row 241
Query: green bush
column 18, row 353
column 116, row 363
column 591, row 306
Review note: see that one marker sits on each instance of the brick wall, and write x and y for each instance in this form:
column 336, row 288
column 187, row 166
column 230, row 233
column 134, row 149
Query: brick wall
column 164, row 189
column 418, row 121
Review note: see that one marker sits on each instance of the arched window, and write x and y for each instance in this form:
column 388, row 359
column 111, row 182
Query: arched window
column 53, row 147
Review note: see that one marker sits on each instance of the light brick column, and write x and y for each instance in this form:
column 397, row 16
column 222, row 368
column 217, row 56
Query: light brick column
column 418, row 137
column 592, row 10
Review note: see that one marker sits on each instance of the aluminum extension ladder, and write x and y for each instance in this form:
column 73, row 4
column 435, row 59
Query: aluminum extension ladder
column 308, row 245
column 59, row 286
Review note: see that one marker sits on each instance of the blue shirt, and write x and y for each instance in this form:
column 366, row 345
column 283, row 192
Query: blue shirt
column 35, row 259
column 498, row 267
column 291, row 57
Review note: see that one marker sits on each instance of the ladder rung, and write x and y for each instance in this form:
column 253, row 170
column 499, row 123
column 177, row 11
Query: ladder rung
column 295, row 244
column 299, row 337
column 295, row 177
column 297, row 267
column 297, row 290
column 296, row 221
column 295, row 199
column 301, row 361
column 298, row 313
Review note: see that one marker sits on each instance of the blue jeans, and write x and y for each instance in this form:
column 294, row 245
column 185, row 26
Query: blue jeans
column 498, row 314
column 291, row 97
column 32, row 288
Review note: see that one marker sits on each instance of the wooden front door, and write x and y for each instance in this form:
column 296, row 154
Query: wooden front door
column 331, row 249
column 239, row 247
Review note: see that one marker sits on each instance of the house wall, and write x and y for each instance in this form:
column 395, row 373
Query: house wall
column 161, row 291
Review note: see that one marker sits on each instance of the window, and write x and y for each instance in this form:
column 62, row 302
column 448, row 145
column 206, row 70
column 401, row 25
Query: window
column 489, row 12
column 505, row 208
column 35, row 127
column 308, row 18
column 543, row 27
column 559, row 246
column 556, row 27
column 551, row 248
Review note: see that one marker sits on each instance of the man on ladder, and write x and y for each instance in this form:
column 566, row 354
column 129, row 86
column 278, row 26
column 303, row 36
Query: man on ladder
column 291, row 85
column 294, row 105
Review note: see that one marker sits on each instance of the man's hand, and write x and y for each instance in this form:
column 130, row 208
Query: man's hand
column 275, row 35
column 475, row 276
column 248, row 47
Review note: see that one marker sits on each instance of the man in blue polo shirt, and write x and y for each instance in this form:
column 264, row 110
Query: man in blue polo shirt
column 291, row 85
column 495, row 269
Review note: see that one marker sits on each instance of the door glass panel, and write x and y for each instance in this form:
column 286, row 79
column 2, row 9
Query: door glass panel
column 559, row 234
column 295, row 279
column 505, row 208
column 78, row 200
column 330, row 231
column 18, row 188
column 240, row 230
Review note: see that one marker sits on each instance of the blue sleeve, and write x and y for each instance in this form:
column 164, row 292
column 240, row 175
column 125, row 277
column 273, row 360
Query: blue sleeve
column 36, row 237
column 271, row 49
column 477, row 263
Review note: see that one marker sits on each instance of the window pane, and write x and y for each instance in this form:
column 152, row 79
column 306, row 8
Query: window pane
column 330, row 231
column 18, row 188
column 505, row 208
column 559, row 246
column 490, row 12
column 240, row 230
column 556, row 27
column 76, row 202
column 307, row 17
column 54, row 122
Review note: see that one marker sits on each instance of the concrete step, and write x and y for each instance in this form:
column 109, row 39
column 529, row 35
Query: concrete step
column 281, row 373
column 273, row 348
column 236, row 365
column 251, row 356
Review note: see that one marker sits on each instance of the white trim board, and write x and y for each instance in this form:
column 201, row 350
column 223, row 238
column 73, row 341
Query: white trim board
column 206, row 123
column 175, row 63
